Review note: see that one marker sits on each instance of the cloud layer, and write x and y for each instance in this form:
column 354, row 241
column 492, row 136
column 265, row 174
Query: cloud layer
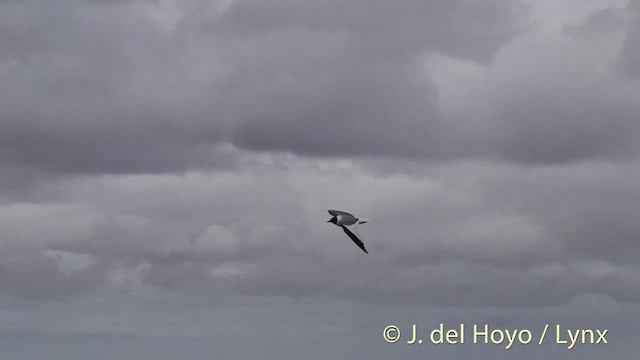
column 161, row 86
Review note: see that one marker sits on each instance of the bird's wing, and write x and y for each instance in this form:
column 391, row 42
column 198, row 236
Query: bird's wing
column 338, row 212
column 354, row 238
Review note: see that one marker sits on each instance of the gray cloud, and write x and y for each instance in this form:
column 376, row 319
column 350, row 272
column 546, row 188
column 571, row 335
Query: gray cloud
column 30, row 274
column 130, row 89
column 362, row 93
column 142, row 86
column 481, row 226
column 629, row 60
column 385, row 31
column 100, row 89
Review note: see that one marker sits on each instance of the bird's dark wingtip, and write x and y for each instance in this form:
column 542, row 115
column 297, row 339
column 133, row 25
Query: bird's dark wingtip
column 354, row 238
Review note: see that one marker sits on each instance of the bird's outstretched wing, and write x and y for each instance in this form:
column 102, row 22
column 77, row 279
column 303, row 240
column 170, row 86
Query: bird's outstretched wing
column 354, row 238
column 338, row 212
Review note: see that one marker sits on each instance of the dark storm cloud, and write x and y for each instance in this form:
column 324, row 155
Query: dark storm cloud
column 363, row 92
column 124, row 87
column 365, row 95
column 356, row 119
column 152, row 86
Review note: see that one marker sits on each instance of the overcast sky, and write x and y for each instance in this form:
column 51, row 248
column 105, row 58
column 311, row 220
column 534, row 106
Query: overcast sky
column 166, row 167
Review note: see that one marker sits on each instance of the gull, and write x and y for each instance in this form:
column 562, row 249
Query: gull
column 344, row 219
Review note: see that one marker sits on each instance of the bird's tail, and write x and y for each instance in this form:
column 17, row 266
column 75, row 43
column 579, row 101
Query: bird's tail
column 363, row 221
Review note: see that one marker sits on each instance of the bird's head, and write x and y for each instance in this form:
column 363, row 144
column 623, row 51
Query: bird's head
column 332, row 220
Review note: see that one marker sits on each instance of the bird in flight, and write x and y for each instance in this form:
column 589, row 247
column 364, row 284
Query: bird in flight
column 348, row 223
